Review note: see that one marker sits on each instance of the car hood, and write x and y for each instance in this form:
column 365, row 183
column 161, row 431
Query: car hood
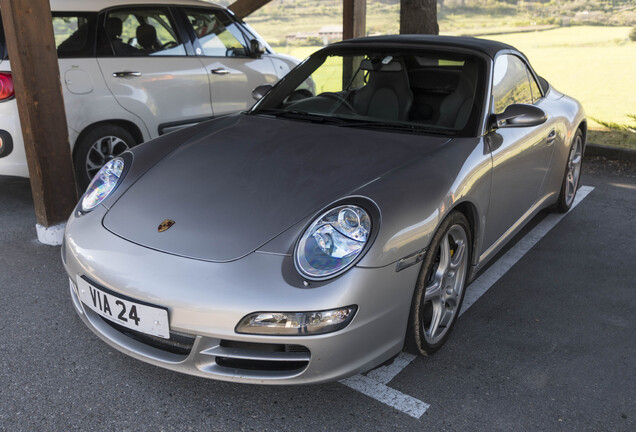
column 234, row 188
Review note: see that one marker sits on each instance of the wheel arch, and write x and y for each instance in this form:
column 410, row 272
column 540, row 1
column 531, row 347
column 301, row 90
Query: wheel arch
column 470, row 212
column 131, row 127
column 583, row 128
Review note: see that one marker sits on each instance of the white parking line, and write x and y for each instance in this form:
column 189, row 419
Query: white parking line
column 384, row 374
column 388, row 396
column 374, row 384
column 499, row 268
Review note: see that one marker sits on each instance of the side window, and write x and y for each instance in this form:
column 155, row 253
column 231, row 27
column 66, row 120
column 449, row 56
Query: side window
column 74, row 34
column 139, row 32
column 218, row 35
column 510, row 83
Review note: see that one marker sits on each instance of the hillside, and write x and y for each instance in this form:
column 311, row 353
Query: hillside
column 280, row 18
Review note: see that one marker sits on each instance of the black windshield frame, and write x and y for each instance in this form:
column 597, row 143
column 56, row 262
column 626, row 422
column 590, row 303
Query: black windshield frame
column 291, row 81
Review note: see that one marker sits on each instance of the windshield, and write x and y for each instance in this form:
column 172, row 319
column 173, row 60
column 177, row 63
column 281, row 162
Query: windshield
column 413, row 91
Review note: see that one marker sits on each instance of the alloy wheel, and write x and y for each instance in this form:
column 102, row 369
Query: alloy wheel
column 445, row 285
column 102, row 151
column 573, row 170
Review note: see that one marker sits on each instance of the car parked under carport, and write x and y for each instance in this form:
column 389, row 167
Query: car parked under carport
column 133, row 71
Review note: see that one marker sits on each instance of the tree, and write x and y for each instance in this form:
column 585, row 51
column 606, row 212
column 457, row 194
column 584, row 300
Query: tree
column 418, row 17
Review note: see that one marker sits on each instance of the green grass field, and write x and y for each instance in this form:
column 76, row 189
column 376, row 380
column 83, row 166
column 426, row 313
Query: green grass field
column 596, row 65
column 274, row 21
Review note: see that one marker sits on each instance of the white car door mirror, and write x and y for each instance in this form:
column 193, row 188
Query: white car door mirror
column 257, row 48
column 261, row 91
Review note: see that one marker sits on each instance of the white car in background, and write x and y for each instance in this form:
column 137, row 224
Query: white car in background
column 134, row 70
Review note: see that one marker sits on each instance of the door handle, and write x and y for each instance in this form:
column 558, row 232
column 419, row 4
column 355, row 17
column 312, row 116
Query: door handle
column 125, row 74
column 551, row 137
column 220, row 71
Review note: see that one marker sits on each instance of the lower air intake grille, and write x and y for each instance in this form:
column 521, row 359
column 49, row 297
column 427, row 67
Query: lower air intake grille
column 177, row 344
column 261, row 357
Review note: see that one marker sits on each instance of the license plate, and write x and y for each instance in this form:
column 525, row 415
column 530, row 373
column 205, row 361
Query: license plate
column 128, row 313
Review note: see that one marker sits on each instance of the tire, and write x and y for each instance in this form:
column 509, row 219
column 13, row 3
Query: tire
column 572, row 175
column 440, row 293
column 97, row 147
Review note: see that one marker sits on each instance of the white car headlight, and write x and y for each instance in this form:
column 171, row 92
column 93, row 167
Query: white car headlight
column 331, row 244
column 103, row 184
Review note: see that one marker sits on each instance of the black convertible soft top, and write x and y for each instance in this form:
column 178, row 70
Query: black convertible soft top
column 488, row 47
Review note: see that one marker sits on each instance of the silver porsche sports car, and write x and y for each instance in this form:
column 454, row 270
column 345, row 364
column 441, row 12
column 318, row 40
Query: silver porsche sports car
column 337, row 222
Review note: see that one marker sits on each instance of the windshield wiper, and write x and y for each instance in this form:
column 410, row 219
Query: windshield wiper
column 401, row 127
column 352, row 122
column 301, row 115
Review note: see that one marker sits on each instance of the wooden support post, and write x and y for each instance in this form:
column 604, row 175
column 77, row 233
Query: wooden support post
column 354, row 19
column 354, row 24
column 28, row 31
column 243, row 8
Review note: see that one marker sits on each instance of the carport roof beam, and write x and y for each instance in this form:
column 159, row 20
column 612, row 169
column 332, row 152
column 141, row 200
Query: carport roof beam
column 243, row 8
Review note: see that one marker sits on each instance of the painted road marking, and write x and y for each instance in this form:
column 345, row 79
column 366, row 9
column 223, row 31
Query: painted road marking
column 374, row 384
column 500, row 267
column 384, row 374
column 388, row 396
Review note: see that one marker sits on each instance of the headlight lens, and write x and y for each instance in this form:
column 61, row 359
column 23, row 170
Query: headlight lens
column 332, row 242
column 103, row 184
column 296, row 323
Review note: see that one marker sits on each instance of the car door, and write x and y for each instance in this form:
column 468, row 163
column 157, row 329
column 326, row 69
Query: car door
column 143, row 57
column 222, row 46
column 520, row 155
column 74, row 34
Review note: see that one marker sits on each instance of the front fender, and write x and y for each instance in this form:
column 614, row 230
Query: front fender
column 415, row 200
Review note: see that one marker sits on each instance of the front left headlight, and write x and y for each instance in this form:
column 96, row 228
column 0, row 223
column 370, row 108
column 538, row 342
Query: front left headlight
column 103, row 184
column 333, row 242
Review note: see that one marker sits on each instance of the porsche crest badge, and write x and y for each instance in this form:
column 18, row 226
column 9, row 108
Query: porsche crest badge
column 165, row 225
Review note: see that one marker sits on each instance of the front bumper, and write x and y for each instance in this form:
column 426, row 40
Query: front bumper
column 206, row 300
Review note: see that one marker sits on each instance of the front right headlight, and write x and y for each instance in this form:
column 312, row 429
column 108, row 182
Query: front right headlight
column 331, row 244
column 297, row 323
column 103, row 184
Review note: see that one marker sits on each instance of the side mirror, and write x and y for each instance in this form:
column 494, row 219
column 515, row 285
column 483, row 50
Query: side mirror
column 520, row 115
column 257, row 48
column 261, row 91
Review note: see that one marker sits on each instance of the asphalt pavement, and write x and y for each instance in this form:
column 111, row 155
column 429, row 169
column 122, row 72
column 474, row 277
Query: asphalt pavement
column 550, row 347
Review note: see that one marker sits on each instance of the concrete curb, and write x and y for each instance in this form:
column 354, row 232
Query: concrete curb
column 51, row 236
column 608, row 152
